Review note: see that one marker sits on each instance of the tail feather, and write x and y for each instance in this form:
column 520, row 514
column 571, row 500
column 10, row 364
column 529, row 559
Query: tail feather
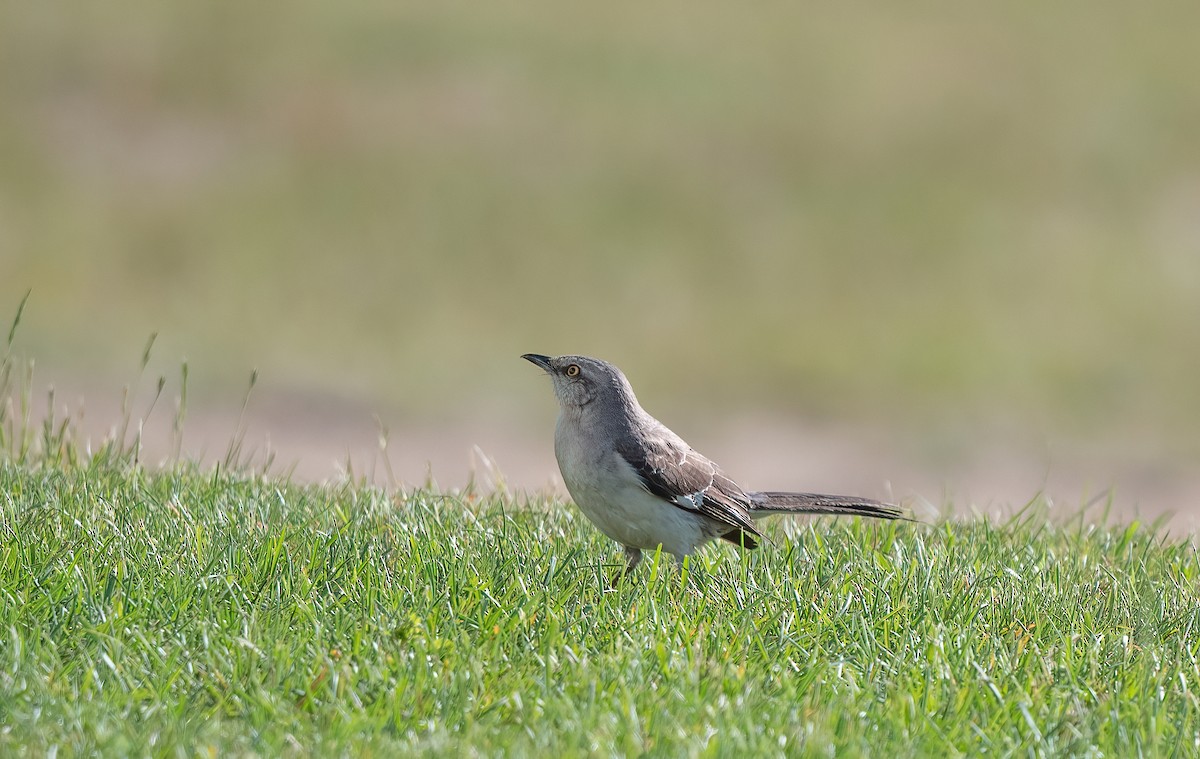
column 769, row 503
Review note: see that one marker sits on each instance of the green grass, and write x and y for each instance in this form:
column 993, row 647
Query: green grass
column 188, row 612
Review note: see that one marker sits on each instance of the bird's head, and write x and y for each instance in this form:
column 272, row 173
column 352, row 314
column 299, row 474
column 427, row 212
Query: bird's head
column 581, row 380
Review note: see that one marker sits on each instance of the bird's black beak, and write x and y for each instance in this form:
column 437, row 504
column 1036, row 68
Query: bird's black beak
column 539, row 360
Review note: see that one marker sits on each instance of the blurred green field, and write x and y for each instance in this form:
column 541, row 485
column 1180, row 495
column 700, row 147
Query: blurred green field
column 861, row 210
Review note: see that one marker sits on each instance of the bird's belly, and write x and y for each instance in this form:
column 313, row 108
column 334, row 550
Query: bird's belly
column 641, row 520
column 611, row 499
column 609, row 492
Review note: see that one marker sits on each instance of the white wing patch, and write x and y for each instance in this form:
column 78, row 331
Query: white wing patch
column 693, row 501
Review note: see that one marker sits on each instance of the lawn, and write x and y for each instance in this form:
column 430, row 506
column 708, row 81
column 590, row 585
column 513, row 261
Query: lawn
column 196, row 612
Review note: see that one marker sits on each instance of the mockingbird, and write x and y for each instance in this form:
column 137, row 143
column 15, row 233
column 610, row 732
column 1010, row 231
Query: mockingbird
column 642, row 485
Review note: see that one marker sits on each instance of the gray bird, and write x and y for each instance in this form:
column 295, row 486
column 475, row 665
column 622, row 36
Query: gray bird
column 642, row 485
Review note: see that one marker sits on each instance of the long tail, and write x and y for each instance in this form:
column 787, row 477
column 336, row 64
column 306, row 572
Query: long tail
column 769, row 503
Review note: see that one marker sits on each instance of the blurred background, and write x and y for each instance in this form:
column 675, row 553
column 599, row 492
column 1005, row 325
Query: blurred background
column 929, row 251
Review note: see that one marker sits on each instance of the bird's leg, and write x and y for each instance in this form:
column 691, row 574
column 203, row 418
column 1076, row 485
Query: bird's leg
column 632, row 557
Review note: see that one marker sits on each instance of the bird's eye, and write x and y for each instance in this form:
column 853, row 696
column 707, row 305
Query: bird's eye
column 573, row 370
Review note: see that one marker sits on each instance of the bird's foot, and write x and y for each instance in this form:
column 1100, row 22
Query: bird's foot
column 632, row 557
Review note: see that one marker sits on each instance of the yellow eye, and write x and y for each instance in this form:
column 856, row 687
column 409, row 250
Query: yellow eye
column 573, row 370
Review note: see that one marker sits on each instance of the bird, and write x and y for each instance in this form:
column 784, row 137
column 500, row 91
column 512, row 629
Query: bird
column 641, row 485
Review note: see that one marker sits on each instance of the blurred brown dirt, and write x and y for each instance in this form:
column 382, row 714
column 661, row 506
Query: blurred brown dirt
column 319, row 437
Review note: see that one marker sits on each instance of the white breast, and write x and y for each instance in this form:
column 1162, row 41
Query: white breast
column 609, row 493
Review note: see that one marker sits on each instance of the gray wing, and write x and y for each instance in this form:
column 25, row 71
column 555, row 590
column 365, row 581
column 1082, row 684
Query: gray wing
column 671, row 470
